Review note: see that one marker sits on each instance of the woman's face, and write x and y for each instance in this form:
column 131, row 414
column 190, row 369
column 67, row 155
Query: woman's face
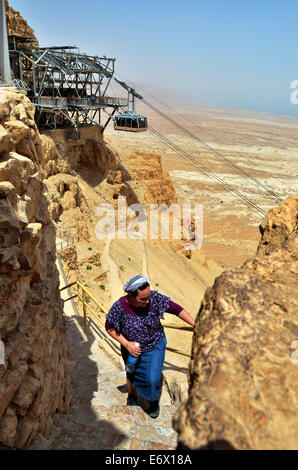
column 143, row 297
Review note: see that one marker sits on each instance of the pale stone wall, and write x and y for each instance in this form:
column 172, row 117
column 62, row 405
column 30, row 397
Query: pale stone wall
column 88, row 151
column 243, row 370
column 17, row 25
column 34, row 382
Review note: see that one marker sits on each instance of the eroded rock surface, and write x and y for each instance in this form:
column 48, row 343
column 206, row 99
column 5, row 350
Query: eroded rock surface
column 34, row 381
column 17, row 25
column 243, row 371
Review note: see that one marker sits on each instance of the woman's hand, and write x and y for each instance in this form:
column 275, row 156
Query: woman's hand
column 133, row 349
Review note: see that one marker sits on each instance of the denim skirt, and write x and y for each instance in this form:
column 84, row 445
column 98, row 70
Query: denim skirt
column 146, row 377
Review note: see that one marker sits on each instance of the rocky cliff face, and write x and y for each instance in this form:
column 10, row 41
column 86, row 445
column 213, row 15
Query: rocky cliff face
column 141, row 178
column 34, row 382
column 243, row 371
column 17, row 25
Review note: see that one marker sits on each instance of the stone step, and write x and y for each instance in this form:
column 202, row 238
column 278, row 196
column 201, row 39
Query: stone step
column 104, row 421
column 116, row 427
column 98, row 417
column 129, row 431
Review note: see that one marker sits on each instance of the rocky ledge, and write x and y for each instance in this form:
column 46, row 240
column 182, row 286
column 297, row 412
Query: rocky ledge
column 244, row 368
column 34, row 380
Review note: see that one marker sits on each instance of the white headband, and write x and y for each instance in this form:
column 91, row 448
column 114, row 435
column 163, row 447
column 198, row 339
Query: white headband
column 134, row 283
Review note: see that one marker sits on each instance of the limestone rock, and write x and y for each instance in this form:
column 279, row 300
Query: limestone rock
column 17, row 119
column 17, row 130
column 24, row 396
column 279, row 224
column 30, row 239
column 243, row 379
column 6, row 143
column 142, row 180
column 8, row 427
column 64, row 190
column 18, row 25
column 144, row 173
column 54, row 210
column 10, row 384
column 115, row 177
column 26, row 431
column 17, row 169
column 87, row 153
column 54, row 164
column 6, row 188
column 34, row 381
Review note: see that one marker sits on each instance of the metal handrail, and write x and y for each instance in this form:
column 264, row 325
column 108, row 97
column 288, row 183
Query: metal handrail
column 69, row 241
column 92, row 312
column 60, row 101
column 176, row 327
column 98, row 319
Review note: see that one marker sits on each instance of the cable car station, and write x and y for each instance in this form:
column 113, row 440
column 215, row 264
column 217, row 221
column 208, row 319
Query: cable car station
column 67, row 87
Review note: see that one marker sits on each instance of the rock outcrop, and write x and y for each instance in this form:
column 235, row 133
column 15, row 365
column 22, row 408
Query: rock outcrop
column 64, row 193
column 17, row 25
column 34, row 381
column 145, row 176
column 18, row 131
column 243, row 370
column 54, row 163
column 71, row 164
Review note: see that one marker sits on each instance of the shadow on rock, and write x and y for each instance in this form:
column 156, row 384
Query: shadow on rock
column 217, row 444
column 82, row 427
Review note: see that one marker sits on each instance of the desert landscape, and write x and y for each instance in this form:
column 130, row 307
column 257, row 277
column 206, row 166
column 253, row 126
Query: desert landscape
column 228, row 383
column 263, row 145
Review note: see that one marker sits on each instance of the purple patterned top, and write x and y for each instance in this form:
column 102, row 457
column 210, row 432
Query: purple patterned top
column 141, row 324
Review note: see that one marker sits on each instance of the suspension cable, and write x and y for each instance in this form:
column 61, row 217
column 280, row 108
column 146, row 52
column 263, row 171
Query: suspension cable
column 196, row 163
column 205, row 170
column 214, row 152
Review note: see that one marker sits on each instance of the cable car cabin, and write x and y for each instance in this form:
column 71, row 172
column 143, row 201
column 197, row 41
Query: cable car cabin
column 130, row 123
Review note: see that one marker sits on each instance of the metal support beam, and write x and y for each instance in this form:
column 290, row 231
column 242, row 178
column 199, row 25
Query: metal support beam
column 5, row 73
column 61, row 82
column 110, row 117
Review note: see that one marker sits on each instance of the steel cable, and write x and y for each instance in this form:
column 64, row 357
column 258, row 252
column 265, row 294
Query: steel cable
column 214, row 152
column 175, row 147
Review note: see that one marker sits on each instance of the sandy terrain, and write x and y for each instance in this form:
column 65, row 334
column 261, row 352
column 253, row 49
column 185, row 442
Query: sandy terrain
column 262, row 145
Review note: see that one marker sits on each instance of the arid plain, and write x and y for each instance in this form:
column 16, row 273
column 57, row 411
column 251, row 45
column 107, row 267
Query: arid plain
column 261, row 146
column 264, row 146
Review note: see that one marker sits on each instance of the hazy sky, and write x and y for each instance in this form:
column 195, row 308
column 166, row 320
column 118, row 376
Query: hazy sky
column 227, row 53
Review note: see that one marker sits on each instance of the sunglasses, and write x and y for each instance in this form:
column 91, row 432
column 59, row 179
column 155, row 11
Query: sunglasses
column 143, row 300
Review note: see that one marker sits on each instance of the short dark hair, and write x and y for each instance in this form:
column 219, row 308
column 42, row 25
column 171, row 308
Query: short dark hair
column 134, row 293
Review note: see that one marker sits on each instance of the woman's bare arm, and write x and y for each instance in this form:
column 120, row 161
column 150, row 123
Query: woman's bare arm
column 185, row 316
column 129, row 345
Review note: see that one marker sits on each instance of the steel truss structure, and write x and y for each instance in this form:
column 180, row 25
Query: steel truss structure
column 67, row 87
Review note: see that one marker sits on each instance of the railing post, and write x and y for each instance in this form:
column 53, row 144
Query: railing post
column 84, row 310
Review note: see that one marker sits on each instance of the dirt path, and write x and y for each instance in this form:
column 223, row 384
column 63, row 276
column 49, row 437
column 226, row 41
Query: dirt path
column 145, row 270
column 98, row 418
column 114, row 281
